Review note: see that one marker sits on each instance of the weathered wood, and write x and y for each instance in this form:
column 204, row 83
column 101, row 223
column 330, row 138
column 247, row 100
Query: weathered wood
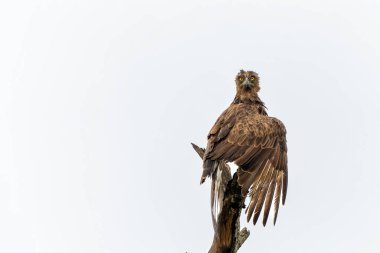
column 227, row 235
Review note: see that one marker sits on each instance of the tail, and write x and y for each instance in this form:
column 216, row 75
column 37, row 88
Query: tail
column 219, row 178
column 220, row 174
column 209, row 167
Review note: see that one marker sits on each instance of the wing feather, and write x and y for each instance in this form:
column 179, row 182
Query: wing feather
column 277, row 196
column 260, row 165
column 270, row 194
column 253, row 192
column 285, row 182
column 269, row 198
column 262, row 193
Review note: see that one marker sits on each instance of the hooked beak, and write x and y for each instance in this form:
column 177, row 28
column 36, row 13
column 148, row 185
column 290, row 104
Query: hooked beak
column 246, row 84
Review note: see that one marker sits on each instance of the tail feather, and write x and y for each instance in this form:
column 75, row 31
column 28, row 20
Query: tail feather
column 220, row 178
column 209, row 167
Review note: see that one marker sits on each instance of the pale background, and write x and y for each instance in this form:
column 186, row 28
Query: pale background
column 99, row 101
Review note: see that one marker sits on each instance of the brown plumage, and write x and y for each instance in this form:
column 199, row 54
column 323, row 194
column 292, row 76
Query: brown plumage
column 246, row 135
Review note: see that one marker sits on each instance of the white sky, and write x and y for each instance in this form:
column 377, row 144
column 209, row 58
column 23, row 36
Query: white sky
column 99, row 101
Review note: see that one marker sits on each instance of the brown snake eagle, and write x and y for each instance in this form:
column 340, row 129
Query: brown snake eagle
column 256, row 143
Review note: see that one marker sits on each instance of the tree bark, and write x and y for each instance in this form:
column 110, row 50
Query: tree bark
column 228, row 237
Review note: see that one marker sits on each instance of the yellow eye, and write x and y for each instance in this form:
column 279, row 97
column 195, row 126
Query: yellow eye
column 252, row 78
column 241, row 78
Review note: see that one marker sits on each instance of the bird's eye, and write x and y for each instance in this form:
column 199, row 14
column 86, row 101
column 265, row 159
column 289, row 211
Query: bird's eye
column 252, row 78
column 241, row 78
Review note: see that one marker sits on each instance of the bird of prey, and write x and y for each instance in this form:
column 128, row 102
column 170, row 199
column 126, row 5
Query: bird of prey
column 256, row 143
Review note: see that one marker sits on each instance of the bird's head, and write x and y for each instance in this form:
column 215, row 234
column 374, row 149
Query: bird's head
column 247, row 86
column 247, row 81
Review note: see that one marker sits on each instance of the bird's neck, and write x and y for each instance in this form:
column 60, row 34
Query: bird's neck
column 246, row 96
column 252, row 99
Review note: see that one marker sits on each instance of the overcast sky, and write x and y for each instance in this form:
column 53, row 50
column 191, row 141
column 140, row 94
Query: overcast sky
column 99, row 101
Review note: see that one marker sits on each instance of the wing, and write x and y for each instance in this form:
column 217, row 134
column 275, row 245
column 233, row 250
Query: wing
column 257, row 144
